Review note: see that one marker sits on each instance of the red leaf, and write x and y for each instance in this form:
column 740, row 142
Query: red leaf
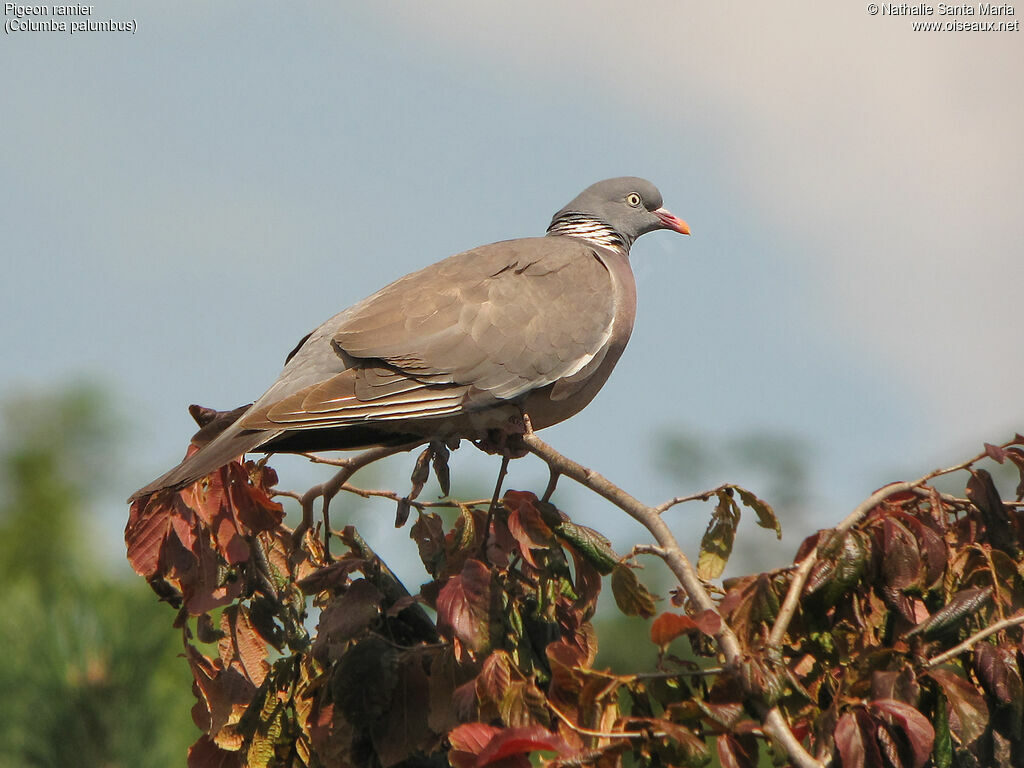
column 468, row 741
column 850, row 741
column 511, row 742
column 464, row 606
column 669, row 626
column 919, row 731
column 968, row 713
column 148, row 523
column 242, row 646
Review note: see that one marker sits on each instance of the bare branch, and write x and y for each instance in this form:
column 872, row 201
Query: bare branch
column 772, row 719
column 1011, row 621
column 329, row 489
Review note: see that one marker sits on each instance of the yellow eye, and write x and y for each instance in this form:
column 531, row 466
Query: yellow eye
column 633, row 199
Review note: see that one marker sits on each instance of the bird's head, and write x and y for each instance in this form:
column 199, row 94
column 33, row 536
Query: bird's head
column 628, row 205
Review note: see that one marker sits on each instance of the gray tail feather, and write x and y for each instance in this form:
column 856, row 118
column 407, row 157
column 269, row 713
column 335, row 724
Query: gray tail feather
column 228, row 445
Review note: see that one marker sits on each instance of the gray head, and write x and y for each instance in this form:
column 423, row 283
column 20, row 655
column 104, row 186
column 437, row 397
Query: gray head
column 615, row 212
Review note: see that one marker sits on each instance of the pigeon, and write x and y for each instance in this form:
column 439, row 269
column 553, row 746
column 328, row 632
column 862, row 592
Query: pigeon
column 461, row 349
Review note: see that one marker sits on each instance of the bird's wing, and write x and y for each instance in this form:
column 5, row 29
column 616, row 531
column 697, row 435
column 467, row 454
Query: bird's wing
column 481, row 327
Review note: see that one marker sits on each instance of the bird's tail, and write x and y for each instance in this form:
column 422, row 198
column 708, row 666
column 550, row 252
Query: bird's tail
column 228, row 445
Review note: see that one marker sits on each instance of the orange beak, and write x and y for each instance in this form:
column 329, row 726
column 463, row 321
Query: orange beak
column 669, row 221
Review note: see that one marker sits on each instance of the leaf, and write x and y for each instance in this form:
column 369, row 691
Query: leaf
column 402, row 511
column 149, row 522
column 631, row 596
column 591, row 545
column 440, row 463
column 241, row 644
column 511, row 742
column 206, row 754
column 464, row 606
column 468, row 741
column 716, row 546
column 968, row 713
column 668, row 626
column 964, row 603
column 765, row 514
column 918, row 730
column 850, row 741
column 836, row 572
column 996, row 667
column 901, row 559
column 349, row 615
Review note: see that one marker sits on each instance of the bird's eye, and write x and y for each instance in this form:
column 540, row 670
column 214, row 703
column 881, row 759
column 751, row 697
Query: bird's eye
column 633, row 199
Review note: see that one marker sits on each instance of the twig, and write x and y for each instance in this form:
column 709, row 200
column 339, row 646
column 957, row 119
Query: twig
column 703, row 496
column 803, row 569
column 329, row 489
column 598, row 734
column 772, row 719
column 970, row 642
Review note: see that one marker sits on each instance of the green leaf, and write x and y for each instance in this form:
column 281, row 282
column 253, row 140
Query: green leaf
column 716, row 546
column 591, row 545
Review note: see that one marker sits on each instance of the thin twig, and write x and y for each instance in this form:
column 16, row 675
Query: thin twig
column 703, row 496
column 329, row 489
column 803, row 569
column 771, row 718
column 598, row 734
column 970, row 642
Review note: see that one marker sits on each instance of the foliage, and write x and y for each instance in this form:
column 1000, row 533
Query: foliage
column 89, row 676
column 894, row 640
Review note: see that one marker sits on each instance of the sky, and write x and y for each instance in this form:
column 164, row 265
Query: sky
column 181, row 203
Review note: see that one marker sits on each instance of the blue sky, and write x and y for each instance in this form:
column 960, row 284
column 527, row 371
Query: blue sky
column 180, row 205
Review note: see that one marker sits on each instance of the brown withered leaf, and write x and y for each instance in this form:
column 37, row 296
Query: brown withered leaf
column 464, row 606
column 241, row 646
column 149, row 522
column 252, row 505
column 402, row 511
column 439, row 461
column 333, row 576
column 223, row 693
column 428, row 533
column 631, row 596
column 765, row 514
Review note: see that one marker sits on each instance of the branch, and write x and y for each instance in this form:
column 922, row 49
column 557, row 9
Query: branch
column 772, row 719
column 803, row 569
column 329, row 489
column 974, row 639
